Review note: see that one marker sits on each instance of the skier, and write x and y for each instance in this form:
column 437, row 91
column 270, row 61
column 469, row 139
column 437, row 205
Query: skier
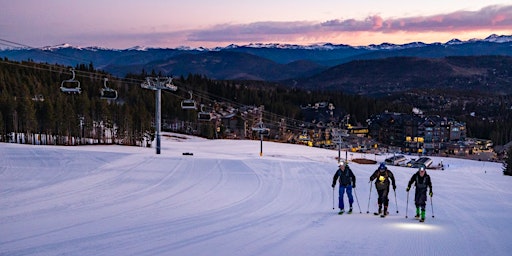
column 347, row 181
column 382, row 176
column 422, row 180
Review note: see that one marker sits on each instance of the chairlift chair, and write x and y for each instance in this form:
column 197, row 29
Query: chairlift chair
column 106, row 92
column 71, row 89
column 188, row 103
column 148, row 84
column 38, row 97
column 169, row 86
column 204, row 115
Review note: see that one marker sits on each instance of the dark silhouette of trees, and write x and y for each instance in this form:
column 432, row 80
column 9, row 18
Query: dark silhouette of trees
column 31, row 103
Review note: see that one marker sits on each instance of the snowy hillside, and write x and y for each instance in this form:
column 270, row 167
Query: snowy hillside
column 227, row 200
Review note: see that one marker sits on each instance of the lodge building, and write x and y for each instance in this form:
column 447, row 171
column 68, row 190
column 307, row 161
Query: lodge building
column 416, row 134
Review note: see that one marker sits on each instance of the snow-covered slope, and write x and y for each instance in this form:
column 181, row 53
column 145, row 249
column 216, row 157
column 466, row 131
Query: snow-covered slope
column 226, row 199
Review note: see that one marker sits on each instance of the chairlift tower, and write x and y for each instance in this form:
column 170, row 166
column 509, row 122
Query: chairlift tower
column 158, row 84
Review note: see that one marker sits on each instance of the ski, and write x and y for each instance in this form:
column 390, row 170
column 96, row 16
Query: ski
column 341, row 212
column 376, row 213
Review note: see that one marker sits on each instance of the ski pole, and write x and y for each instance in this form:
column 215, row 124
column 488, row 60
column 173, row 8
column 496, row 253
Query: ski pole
column 368, row 209
column 333, row 198
column 395, row 201
column 357, row 200
column 432, row 206
column 407, row 204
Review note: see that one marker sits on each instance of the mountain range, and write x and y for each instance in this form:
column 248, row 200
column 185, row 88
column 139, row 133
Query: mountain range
column 327, row 65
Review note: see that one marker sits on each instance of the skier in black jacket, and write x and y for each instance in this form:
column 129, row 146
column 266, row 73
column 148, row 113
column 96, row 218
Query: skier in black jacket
column 383, row 176
column 347, row 181
column 422, row 180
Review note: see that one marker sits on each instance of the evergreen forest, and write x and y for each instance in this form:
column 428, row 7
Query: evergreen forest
column 32, row 103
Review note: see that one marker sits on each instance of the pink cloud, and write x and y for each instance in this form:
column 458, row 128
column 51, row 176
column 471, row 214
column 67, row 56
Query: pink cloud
column 377, row 22
column 488, row 18
column 498, row 19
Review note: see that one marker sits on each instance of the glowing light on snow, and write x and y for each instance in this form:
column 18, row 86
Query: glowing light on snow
column 417, row 226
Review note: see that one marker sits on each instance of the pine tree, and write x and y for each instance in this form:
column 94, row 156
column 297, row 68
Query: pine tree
column 2, row 128
column 507, row 165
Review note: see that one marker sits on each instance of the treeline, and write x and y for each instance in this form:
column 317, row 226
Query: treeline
column 499, row 130
column 487, row 114
column 32, row 103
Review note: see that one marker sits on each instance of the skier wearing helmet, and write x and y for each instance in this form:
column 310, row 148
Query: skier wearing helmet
column 422, row 180
column 382, row 177
column 347, row 181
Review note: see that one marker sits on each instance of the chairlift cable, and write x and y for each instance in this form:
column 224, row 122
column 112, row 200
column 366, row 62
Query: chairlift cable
column 205, row 96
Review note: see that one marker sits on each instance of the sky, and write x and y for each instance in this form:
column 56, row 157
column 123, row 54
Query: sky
column 122, row 24
column 226, row 199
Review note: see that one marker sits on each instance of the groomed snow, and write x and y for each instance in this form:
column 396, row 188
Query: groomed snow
column 226, row 199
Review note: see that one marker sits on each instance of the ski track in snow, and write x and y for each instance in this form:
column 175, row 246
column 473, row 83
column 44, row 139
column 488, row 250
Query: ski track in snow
column 108, row 201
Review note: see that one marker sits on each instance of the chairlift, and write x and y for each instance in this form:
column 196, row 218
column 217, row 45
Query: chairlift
column 106, row 92
column 38, row 97
column 148, row 84
column 204, row 115
column 169, row 86
column 188, row 103
column 159, row 83
column 72, row 81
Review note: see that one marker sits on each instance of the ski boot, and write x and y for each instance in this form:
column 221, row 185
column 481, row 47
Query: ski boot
column 350, row 210
column 379, row 212
column 417, row 216
column 341, row 211
column 385, row 212
column 422, row 215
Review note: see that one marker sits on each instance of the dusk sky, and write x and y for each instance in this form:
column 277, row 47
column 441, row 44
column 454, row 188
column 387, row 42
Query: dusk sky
column 123, row 24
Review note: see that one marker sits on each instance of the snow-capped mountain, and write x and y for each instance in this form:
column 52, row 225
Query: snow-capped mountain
column 283, row 57
column 498, row 39
column 326, row 46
